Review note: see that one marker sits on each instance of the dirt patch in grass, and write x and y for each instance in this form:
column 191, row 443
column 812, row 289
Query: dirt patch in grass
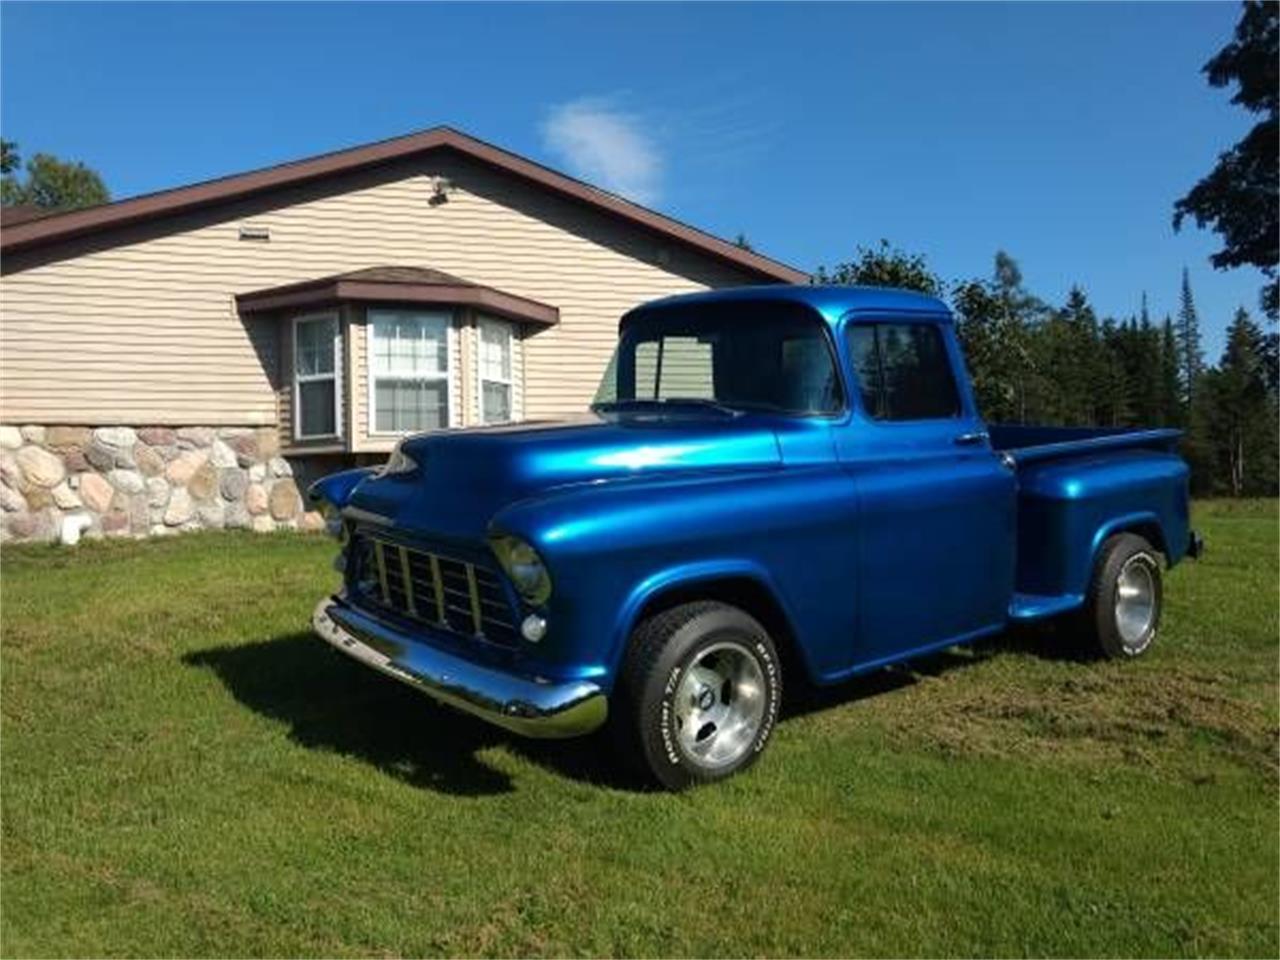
column 1171, row 721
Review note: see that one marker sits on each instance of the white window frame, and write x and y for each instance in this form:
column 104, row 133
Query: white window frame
column 481, row 379
column 335, row 376
column 372, row 374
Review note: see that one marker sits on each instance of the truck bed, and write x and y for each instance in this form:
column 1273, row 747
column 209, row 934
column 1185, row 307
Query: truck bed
column 1028, row 443
column 1076, row 486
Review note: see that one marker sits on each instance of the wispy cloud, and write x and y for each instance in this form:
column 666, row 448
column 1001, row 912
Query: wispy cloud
column 605, row 146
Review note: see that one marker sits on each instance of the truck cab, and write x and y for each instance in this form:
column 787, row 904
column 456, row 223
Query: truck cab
column 770, row 480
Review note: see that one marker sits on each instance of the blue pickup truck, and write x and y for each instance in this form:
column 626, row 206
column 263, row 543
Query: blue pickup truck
column 771, row 481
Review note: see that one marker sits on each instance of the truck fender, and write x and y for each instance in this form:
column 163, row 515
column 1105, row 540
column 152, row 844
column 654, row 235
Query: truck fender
column 1145, row 524
column 688, row 577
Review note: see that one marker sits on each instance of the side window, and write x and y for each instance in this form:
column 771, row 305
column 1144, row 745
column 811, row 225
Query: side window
column 903, row 371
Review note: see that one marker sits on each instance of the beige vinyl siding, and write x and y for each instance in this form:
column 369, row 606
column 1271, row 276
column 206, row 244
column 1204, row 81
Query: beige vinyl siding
column 686, row 369
column 146, row 331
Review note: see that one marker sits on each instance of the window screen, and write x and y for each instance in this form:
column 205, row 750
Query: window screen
column 903, row 371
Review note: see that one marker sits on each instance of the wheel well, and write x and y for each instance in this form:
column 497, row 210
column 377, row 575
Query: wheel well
column 748, row 595
column 1149, row 530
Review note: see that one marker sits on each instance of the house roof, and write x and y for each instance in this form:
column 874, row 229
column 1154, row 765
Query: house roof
column 398, row 285
column 21, row 213
column 184, row 199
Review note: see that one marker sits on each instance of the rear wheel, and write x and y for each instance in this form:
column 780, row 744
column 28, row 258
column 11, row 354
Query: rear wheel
column 698, row 695
column 1122, row 611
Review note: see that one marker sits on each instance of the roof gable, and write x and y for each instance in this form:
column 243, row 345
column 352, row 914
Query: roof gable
column 99, row 219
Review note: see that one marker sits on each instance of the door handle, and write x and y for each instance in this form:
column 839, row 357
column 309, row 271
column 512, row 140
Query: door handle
column 972, row 439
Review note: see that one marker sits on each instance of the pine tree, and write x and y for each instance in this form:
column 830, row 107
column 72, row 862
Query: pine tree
column 1171, row 413
column 1240, row 412
column 1192, row 357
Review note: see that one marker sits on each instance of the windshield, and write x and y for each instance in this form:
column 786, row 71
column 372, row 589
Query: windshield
column 734, row 356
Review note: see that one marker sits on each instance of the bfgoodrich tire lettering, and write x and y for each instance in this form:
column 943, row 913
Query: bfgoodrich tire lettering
column 699, row 694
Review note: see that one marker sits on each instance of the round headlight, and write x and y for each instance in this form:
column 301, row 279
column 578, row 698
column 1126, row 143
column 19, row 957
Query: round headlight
column 525, row 568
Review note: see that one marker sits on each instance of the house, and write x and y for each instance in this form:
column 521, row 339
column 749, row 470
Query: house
column 189, row 358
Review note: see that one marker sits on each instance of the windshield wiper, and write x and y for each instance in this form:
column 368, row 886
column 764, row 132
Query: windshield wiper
column 707, row 402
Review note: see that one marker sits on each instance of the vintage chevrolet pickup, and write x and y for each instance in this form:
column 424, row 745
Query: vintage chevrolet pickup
column 772, row 481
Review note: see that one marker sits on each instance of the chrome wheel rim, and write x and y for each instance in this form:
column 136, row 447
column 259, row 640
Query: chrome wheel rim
column 720, row 704
column 1135, row 602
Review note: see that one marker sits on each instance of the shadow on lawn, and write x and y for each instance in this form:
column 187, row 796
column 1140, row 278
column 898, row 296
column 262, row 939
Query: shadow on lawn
column 333, row 704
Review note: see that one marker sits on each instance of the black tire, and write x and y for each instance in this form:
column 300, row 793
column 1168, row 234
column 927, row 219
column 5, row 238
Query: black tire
column 1109, row 633
column 663, row 650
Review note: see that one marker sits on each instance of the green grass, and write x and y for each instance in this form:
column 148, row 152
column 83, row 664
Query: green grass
column 185, row 771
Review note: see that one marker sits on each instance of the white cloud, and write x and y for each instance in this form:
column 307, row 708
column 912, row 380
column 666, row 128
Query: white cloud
column 606, row 147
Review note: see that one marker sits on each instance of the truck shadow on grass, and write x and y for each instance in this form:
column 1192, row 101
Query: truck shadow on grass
column 333, row 705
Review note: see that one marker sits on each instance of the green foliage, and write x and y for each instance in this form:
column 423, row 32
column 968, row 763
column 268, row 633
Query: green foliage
column 884, row 266
column 742, row 243
column 49, row 183
column 188, row 772
column 1191, row 357
column 10, row 160
column 1240, row 197
column 1239, row 412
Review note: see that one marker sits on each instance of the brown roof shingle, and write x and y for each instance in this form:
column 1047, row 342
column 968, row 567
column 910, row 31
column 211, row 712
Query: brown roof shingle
column 395, row 284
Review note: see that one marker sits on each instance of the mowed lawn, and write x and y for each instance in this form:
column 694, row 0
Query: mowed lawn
column 186, row 771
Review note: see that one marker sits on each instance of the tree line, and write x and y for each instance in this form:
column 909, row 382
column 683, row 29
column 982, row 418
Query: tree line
column 1031, row 361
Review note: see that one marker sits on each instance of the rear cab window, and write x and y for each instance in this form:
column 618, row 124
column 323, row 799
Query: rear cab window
column 903, row 371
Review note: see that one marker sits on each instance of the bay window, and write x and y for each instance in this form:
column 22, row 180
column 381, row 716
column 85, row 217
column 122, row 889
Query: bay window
column 317, row 350
column 408, row 359
column 495, row 371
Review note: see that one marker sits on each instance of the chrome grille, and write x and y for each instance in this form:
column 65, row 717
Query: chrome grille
column 447, row 592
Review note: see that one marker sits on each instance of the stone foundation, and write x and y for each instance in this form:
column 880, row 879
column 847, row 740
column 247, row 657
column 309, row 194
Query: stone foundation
column 149, row 481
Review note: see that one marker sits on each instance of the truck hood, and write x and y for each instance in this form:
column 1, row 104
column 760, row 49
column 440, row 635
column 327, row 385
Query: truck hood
column 464, row 477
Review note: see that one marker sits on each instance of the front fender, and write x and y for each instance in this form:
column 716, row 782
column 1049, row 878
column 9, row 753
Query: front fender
column 690, row 576
column 337, row 488
column 612, row 547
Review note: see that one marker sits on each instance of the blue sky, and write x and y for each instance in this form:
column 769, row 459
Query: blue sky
column 1061, row 133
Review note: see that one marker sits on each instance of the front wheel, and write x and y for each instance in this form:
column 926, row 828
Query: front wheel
column 699, row 694
column 1122, row 611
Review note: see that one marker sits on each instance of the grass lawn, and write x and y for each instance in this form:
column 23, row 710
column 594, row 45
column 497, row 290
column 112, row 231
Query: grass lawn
column 186, row 771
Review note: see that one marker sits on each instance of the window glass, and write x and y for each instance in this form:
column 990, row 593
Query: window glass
column 410, row 344
column 496, row 402
column 408, row 405
column 744, row 355
column 409, row 370
column 316, row 408
column 495, row 371
column 315, row 374
column 495, row 351
column 865, row 360
column 674, row 367
column 903, row 371
column 315, row 345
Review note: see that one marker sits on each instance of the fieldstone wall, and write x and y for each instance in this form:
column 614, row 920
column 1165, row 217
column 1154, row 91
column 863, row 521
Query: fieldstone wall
column 149, row 481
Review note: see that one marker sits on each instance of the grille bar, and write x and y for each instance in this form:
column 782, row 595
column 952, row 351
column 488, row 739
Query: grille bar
column 408, row 581
column 463, row 597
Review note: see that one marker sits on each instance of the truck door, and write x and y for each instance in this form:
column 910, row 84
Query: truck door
column 936, row 507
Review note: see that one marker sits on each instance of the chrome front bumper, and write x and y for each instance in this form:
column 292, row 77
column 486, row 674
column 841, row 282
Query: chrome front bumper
column 524, row 706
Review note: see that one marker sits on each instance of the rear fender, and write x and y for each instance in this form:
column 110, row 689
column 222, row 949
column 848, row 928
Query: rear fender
column 1145, row 524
